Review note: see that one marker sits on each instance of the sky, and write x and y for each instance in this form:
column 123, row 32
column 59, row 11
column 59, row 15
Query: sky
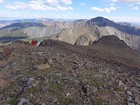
column 117, row 10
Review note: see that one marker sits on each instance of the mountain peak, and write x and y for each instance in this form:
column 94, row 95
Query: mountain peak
column 100, row 21
column 100, row 18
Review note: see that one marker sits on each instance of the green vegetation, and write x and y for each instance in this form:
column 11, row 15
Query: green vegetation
column 34, row 90
column 65, row 101
column 34, row 103
column 96, row 82
column 36, row 73
column 28, row 64
column 118, row 89
column 13, row 101
column 98, row 101
column 12, row 92
column 57, row 89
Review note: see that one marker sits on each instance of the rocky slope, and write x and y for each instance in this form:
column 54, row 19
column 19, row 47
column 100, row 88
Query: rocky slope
column 58, row 73
column 81, row 32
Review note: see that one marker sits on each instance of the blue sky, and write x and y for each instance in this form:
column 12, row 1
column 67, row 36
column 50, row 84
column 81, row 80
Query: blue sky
column 117, row 10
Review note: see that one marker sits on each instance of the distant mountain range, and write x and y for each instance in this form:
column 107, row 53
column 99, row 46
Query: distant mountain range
column 79, row 32
column 18, row 26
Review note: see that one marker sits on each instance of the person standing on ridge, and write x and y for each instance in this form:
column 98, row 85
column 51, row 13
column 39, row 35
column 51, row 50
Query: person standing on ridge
column 34, row 42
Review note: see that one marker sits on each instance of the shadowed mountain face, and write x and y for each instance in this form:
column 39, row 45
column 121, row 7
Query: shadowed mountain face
column 79, row 32
column 56, row 73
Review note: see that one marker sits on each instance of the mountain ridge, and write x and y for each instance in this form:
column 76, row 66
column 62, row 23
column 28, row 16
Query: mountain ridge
column 81, row 32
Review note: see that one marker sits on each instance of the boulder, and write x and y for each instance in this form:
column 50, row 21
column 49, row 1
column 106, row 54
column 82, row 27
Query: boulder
column 24, row 101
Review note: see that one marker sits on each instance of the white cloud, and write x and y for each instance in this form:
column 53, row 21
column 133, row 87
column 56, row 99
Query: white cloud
column 64, row 8
column 103, row 9
column 54, row 5
column 82, row 4
column 127, row 1
column 97, row 9
column 18, row 5
column 1, row 1
column 135, row 8
column 58, row 1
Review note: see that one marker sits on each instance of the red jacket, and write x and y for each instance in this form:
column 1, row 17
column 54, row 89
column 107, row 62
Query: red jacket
column 34, row 42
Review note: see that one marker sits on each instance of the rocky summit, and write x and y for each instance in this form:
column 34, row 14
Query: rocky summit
column 58, row 73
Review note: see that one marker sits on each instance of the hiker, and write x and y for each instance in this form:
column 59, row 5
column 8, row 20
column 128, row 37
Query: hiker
column 34, row 42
